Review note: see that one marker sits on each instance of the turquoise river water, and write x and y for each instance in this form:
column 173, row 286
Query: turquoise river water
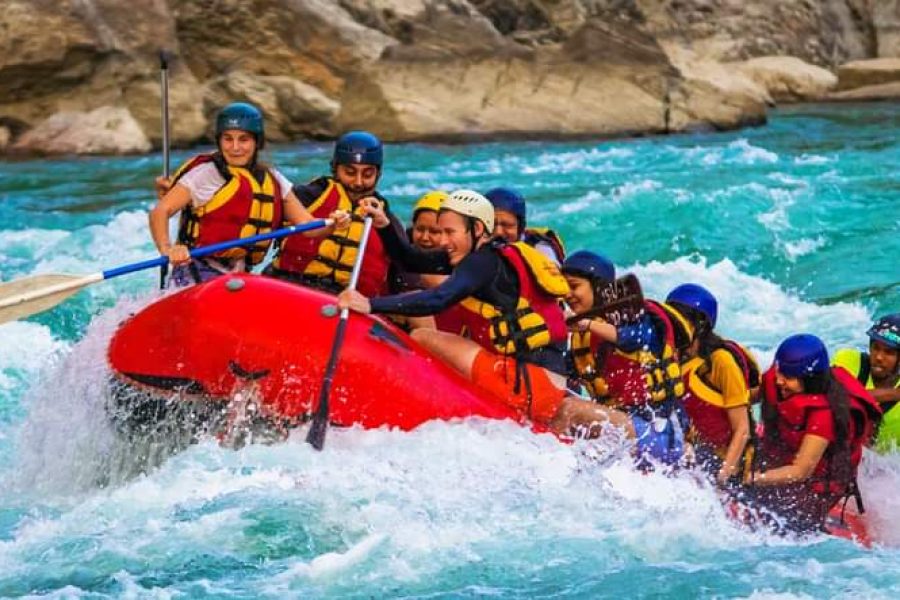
column 795, row 226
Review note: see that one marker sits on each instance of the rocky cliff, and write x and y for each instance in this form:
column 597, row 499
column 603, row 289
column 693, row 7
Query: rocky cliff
column 82, row 76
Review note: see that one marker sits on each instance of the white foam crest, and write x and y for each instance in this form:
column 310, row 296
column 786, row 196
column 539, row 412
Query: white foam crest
column 587, row 201
column 634, row 188
column 814, row 159
column 65, row 443
column 125, row 238
column 407, row 506
column 33, row 242
column 408, row 189
column 595, row 160
column 776, row 220
column 802, row 247
column 332, row 563
column 879, row 480
column 26, row 349
column 754, row 310
column 740, row 152
column 618, row 195
column 472, row 168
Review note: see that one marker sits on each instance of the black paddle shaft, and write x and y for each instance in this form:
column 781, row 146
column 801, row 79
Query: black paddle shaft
column 164, row 58
column 316, row 435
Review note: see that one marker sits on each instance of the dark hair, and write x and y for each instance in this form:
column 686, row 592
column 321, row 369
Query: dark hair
column 703, row 331
column 839, row 403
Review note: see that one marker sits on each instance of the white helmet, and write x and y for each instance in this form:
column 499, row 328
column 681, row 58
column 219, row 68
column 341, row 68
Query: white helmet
column 471, row 204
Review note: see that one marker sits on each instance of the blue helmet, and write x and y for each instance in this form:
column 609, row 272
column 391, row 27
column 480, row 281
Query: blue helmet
column 509, row 200
column 243, row 116
column 801, row 355
column 696, row 296
column 887, row 331
column 590, row 265
column 358, row 148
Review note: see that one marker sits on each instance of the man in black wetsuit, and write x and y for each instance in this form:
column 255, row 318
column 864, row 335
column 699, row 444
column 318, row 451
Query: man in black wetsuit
column 514, row 289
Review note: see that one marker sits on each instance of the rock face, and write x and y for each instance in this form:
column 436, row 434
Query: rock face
column 421, row 69
column 865, row 80
column 788, row 79
column 868, row 72
column 886, row 19
column 105, row 130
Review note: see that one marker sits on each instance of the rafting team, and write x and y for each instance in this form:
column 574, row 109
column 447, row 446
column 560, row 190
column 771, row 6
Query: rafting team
column 558, row 337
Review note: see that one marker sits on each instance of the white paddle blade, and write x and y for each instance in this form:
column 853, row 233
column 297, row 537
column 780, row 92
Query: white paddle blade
column 28, row 296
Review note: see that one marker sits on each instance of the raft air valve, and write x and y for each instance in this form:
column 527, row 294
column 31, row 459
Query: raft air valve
column 234, row 284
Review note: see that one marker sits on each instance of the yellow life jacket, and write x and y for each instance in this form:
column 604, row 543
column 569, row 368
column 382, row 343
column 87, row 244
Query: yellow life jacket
column 857, row 364
column 662, row 375
column 535, row 235
column 584, row 357
column 248, row 204
column 538, row 320
column 331, row 259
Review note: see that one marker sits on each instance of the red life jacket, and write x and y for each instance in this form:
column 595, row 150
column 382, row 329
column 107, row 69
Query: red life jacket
column 703, row 401
column 538, row 320
column 794, row 412
column 639, row 378
column 248, row 203
column 330, row 260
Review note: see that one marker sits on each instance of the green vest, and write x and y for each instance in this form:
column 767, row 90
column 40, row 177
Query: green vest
column 857, row 363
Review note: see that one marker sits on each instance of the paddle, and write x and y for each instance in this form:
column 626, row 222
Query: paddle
column 316, row 435
column 31, row 295
column 164, row 57
column 619, row 301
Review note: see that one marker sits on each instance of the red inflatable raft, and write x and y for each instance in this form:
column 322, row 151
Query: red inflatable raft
column 210, row 341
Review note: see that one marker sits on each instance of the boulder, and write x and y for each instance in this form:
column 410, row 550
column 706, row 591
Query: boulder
column 861, row 73
column 188, row 123
column 314, row 41
column 868, row 93
column 787, row 78
column 291, row 107
column 105, row 130
column 709, row 94
column 594, row 85
column 603, row 81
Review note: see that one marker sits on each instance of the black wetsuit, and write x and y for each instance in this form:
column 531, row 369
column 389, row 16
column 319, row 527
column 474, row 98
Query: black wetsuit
column 483, row 274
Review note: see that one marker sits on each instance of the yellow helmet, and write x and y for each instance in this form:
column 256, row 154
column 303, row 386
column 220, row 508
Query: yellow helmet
column 471, row 204
column 429, row 201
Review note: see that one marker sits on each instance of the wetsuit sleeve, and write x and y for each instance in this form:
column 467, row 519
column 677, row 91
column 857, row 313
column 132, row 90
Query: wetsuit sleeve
column 474, row 273
column 634, row 337
column 408, row 256
column 727, row 376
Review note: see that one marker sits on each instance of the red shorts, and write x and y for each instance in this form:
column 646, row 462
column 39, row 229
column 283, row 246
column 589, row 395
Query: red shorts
column 497, row 375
